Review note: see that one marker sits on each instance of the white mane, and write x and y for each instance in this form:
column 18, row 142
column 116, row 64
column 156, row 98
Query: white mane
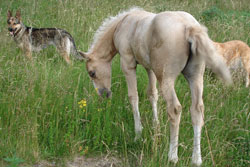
column 108, row 23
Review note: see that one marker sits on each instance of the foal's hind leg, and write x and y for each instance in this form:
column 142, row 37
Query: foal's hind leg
column 194, row 75
column 153, row 94
column 174, row 114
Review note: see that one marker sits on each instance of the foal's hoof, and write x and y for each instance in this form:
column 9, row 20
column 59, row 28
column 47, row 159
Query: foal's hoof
column 138, row 135
column 156, row 122
column 196, row 161
column 173, row 159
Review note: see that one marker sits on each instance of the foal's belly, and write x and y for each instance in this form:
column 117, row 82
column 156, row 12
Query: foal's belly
column 144, row 60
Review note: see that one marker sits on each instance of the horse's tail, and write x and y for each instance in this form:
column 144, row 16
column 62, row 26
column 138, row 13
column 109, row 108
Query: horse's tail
column 202, row 45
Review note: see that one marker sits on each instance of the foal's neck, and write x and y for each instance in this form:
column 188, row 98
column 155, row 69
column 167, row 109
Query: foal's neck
column 106, row 50
column 103, row 46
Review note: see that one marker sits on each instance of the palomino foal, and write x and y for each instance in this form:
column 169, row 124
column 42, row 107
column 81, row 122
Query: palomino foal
column 166, row 44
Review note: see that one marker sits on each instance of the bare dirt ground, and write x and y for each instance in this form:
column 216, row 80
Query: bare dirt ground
column 81, row 161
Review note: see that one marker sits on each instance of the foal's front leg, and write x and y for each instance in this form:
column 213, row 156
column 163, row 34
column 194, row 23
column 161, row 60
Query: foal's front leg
column 129, row 69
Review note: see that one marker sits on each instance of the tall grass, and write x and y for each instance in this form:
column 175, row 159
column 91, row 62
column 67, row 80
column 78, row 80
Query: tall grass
column 41, row 117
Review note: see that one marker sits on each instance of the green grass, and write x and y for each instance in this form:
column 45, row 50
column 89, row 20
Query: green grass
column 40, row 118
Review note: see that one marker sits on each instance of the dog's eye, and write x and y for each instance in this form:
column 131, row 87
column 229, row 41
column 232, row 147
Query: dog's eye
column 92, row 74
column 15, row 23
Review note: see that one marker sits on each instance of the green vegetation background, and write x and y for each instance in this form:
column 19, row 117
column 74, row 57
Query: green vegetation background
column 50, row 111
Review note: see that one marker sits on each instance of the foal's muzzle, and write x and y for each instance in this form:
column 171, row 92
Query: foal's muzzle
column 104, row 92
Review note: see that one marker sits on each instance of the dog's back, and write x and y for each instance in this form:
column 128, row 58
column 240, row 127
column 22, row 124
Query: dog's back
column 41, row 37
column 236, row 54
column 35, row 39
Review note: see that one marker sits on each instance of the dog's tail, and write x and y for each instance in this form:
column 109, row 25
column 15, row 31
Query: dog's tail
column 73, row 49
column 202, row 45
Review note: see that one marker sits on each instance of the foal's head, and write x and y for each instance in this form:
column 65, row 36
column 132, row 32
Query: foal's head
column 100, row 73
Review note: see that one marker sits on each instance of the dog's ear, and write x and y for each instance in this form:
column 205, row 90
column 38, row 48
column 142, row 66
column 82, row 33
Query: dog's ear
column 84, row 55
column 18, row 14
column 9, row 14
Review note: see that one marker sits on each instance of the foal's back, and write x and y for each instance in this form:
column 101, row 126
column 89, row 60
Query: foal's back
column 141, row 33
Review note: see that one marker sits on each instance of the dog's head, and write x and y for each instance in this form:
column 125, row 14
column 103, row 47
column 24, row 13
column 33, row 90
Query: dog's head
column 14, row 23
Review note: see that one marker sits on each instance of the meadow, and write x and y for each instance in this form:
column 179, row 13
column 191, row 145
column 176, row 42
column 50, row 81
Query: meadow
column 50, row 110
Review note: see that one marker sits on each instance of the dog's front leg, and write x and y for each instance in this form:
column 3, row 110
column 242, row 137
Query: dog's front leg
column 27, row 51
column 28, row 54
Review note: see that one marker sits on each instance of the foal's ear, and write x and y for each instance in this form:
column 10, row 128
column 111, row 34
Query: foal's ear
column 9, row 14
column 84, row 55
column 18, row 14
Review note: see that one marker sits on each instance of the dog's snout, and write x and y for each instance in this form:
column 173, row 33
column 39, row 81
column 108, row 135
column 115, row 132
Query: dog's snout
column 10, row 29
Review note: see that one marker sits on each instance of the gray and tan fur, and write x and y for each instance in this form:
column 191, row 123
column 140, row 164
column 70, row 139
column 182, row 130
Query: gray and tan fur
column 35, row 39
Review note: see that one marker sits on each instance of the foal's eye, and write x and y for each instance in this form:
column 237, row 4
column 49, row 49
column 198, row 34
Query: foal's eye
column 92, row 74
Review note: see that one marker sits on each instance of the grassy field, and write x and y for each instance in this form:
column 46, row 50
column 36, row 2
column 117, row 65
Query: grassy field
column 50, row 111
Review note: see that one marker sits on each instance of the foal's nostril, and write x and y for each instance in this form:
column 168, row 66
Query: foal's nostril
column 109, row 94
column 104, row 92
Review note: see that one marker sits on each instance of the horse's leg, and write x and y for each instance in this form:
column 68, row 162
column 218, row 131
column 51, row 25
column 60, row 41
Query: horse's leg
column 129, row 68
column 194, row 75
column 174, row 114
column 153, row 94
column 197, row 114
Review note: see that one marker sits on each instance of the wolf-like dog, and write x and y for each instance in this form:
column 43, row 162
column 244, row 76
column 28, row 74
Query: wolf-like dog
column 236, row 54
column 35, row 39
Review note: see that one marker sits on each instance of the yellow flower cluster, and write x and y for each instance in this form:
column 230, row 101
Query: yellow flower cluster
column 82, row 103
column 85, row 151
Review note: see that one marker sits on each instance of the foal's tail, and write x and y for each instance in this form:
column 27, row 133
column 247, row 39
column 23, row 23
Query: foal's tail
column 202, row 45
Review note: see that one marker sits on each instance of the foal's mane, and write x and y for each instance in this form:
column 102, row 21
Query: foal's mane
column 108, row 23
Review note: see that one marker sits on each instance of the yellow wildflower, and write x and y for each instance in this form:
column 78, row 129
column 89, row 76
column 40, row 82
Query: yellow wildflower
column 86, row 150
column 80, row 148
column 82, row 103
